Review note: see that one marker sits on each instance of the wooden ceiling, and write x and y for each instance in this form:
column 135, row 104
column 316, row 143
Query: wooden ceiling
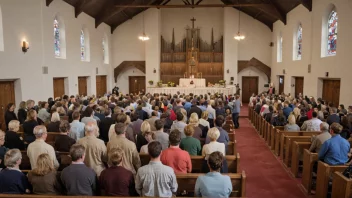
column 116, row 12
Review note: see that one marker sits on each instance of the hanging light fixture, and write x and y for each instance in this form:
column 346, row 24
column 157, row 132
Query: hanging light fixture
column 239, row 36
column 143, row 37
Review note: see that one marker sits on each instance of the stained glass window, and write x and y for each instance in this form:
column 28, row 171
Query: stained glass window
column 103, row 43
column 57, row 38
column 332, row 33
column 279, row 49
column 82, row 46
column 299, row 43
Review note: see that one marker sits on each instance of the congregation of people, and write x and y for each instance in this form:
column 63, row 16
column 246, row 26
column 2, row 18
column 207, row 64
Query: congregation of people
column 105, row 136
column 308, row 114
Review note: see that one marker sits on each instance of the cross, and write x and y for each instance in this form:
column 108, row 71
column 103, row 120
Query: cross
column 193, row 20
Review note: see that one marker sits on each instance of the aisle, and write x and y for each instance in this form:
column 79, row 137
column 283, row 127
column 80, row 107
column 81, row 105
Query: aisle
column 266, row 177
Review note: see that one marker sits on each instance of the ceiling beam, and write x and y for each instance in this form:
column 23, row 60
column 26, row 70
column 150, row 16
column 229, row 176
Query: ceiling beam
column 195, row 6
column 308, row 4
column 274, row 11
column 198, row 2
column 48, row 2
column 79, row 7
column 166, row 2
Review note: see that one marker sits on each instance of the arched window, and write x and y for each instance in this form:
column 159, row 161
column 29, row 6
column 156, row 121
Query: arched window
column 299, row 42
column 105, row 50
column 279, row 48
column 1, row 33
column 83, row 48
column 332, row 33
column 57, row 45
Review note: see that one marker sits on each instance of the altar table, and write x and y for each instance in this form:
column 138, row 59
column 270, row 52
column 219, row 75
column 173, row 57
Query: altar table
column 197, row 91
column 197, row 82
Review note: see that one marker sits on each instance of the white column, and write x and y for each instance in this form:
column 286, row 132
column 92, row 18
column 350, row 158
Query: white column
column 152, row 46
column 230, row 44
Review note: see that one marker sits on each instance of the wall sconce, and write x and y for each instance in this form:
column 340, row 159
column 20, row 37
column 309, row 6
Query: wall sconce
column 25, row 46
column 292, row 85
column 154, row 71
column 228, row 71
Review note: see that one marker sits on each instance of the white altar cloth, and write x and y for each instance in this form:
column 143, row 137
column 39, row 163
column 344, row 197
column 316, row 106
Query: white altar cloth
column 230, row 90
column 186, row 82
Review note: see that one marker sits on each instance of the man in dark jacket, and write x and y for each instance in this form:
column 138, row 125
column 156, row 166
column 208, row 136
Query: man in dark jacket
column 195, row 109
column 104, row 126
column 333, row 117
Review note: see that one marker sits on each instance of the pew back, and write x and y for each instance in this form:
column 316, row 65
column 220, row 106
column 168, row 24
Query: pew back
column 279, row 140
column 287, row 147
column 341, row 186
column 308, row 161
column 297, row 152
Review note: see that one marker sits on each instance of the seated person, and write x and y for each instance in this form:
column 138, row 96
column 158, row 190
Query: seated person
column 335, row 150
column 213, row 184
column 174, row 157
column 149, row 136
column 63, row 142
column 147, row 177
column 224, row 136
column 212, row 146
column 54, row 125
column 12, row 139
column 44, row 178
column 318, row 141
column 179, row 124
column 3, row 149
column 28, row 126
column 291, row 125
column 12, row 180
column 116, row 180
column 312, row 124
column 77, row 178
column 191, row 144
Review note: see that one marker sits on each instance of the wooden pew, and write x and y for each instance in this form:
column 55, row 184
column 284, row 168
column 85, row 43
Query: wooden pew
column 231, row 148
column 297, row 152
column 186, row 183
column 287, row 147
column 233, row 162
column 50, row 138
column 232, row 137
column 273, row 131
column 324, row 174
column 279, row 141
column 341, row 186
column 64, row 158
column 308, row 161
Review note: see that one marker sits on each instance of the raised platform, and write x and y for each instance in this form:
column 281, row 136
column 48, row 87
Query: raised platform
column 230, row 90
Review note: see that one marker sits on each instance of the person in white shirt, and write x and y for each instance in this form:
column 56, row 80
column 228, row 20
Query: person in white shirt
column 312, row 124
column 204, row 120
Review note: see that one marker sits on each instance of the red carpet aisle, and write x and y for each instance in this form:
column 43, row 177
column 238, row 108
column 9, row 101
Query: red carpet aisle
column 266, row 177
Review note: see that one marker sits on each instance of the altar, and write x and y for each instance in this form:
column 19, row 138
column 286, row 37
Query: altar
column 197, row 82
column 230, row 90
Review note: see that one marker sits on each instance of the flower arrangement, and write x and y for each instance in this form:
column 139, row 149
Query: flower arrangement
column 191, row 82
column 160, row 83
column 222, row 82
column 170, row 84
column 151, row 82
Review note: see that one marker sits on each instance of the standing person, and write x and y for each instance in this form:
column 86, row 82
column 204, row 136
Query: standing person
column 10, row 114
column 236, row 111
column 149, row 176
column 77, row 178
column 213, row 184
column 77, row 127
column 22, row 112
column 29, row 125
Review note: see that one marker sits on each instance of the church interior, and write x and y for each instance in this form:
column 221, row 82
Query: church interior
column 150, row 58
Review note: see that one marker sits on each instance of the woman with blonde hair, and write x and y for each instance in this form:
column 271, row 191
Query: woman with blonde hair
column 12, row 140
column 204, row 120
column 44, row 177
column 140, row 140
column 296, row 112
column 54, row 125
column 291, row 125
column 29, row 125
column 194, row 121
column 190, row 144
column 22, row 112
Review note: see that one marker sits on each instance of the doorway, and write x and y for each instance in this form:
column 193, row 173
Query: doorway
column 281, row 84
column 7, row 95
column 82, row 86
column 299, row 83
column 101, row 85
column 249, row 86
column 136, row 84
column 331, row 91
column 59, row 87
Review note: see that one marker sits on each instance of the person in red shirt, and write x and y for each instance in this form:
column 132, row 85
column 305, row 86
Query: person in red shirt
column 175, row 157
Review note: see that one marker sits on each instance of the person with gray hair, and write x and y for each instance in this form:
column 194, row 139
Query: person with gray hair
column 77, row 178
column 39, row 146
column 318, row 141
column 12, row 180
column 333, row 117
column 130, row 159
column 95, row 155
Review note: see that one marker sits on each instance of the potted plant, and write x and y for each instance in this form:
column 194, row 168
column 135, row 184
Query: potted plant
column 160, row 83
column 170, row 84
column 222, row 82
column 151, row 82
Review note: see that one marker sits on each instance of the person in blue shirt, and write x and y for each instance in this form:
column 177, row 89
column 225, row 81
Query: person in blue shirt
column 236, row 111
column 287, row 109
column 213, row 184
column 334, row 151
column 187, row 104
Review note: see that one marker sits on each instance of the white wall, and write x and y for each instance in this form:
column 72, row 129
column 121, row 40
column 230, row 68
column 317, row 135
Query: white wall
column 33, row 21
column 337, row 66
column 252, row 71
column 123, row 79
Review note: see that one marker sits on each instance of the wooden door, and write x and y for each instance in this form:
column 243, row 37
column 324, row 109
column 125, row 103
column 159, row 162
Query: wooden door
column 249, row 86
column 7, row 95
column 299, row 82
column 137, row 84
column 59, row 87
column 82, row 86
column 101, row 85
column 281, row 84
column 331, row 91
